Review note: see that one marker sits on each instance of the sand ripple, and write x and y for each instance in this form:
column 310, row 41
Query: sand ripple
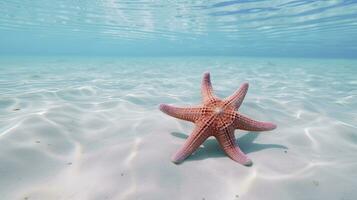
column 90, row 129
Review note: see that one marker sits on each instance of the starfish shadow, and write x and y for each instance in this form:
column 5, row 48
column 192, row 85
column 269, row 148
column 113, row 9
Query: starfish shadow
column 211, row 147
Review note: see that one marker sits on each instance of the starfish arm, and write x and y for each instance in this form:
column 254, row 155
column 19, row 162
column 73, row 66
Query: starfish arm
column 245, row 123
column 227, row 141
column 236, row 99
column 206, row 89
column 189, row 114
column 193, row 142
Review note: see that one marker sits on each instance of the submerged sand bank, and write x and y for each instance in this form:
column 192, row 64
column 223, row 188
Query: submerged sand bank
column 90, row 129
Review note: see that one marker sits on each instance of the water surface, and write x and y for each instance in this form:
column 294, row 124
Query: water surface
column 288, row 28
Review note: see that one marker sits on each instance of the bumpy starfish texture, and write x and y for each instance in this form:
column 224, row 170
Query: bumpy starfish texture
column 218, row 118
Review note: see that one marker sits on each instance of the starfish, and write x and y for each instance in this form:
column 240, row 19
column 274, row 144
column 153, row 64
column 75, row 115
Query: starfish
column 218, row 118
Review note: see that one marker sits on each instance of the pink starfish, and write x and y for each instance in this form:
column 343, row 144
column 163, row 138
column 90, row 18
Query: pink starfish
column 217, row 118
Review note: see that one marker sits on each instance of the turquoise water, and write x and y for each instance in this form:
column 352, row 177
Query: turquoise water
column 289, row 28
column 81, row 81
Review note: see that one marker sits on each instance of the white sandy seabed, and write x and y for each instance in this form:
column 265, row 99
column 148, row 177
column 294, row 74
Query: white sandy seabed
column 89, row 128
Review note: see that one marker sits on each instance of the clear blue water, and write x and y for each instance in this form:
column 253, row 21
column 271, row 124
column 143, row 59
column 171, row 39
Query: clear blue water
column 81, row 81
column 289, row 28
